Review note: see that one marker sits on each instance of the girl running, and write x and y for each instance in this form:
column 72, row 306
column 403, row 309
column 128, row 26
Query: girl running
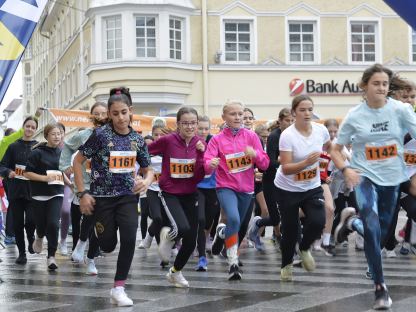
column 114, row 150
column 47, row 185
column 232, row 153
column 13, row 166
column 376, row 129
column 82, row 225
column 298, row 184
column 182, row 170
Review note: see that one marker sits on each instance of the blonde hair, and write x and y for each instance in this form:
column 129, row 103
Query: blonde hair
column 229, row 103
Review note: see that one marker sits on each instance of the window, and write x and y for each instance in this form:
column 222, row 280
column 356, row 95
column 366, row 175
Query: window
column 113, row 37
column 175, row 38
column 146, row 36
column 363, row 42
column 28, row 86
column 413, row 46
column 237, row 41
column 302, row 42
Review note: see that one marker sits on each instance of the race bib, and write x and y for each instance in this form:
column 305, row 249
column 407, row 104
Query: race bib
column 182, row 168
column 57, row 175
column 323, row 164
column 238, row 162
column 380, row 152
column 19, row 170
column 410, row 157
column 306, row 175
column 88, row 166
column 122, row 161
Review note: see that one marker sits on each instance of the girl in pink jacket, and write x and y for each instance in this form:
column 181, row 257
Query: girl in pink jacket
column 233, row 153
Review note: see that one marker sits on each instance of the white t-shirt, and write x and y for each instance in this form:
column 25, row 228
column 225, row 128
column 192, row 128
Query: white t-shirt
column 300, row 146
column 157, row 167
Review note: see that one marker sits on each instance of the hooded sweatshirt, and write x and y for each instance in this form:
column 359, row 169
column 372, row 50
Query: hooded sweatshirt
column 182, row 164
column 235, row 170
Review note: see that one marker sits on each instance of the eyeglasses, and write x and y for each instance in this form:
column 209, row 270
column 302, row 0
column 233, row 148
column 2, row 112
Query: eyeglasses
column 190, row 124
column 248, row 118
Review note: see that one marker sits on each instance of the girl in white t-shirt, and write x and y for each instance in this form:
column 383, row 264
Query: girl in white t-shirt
column 298, row 184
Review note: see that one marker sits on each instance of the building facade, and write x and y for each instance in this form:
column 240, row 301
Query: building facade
column 201, row 53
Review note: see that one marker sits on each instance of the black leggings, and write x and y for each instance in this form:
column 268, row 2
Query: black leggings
column 312, row 204
column 208, row 208
column 83, row 228
column 22, row 219
column 112, row 214
column 144, row 214
column 269, row 191
column 182, row 213
column 156, row 213
column 46, row 215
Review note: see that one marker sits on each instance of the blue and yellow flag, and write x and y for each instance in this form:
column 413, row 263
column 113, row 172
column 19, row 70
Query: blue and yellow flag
column 406, row 9
column 18, row 19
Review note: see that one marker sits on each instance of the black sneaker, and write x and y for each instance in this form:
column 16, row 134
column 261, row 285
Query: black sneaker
column 234, row 274
column 164, row 264
column 21, row 259
column 383, row 300
column 30, row 247
column 329, row 250
column 341, row 231
column 218, row 242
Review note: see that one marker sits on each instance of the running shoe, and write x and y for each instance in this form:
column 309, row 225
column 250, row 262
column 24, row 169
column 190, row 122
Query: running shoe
column 286, row 273
column 359, row 242
column 308, row 262
column 368, row 274
column 63, row 249
column 202, row 264
column 91, row 269
column 177, row 279
column 328, row 250
column 165, row 245
column 119, row 297
column 342, row 231
column 383, row 300
column 147, row 241
column 37, row 245
column 234, row 273
column 141, row 246
column 10, row 240
column 52, row 266
column 78, row 253
column 405, row 249
column 218, row 242
column 21, row 259
column 253, row 231
column 388, row 253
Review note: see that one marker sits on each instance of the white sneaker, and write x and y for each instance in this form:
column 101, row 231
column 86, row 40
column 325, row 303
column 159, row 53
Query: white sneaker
column 37, row 245
column 141, row 246
column 63, row 249
column 147, row 241
column 91, row 269
column 78, row 253
column 165, row 245
column 177, row 279
column 119, row 297
column 389, row 253
column 52, row 266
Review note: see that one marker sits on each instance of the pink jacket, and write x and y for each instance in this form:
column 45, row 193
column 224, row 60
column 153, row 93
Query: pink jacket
column 235, row 170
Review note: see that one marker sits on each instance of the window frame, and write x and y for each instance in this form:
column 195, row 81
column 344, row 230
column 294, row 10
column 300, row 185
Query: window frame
column 411, row 51
column 157, row 36
column 253, row 38
column 378, row 39
column 104, row 41
column 315, row 21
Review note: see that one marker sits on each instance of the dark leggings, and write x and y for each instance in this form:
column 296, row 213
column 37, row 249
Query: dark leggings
column 22, row 219
column 83, row 228
column 144, row 214
column 9, row 230
column 269, row 191
column 183, row 217
column 342, row 202
column 157, row 214
column 208, row 208
column 246, row 221
column 46, row 215
column 112, row 214
column 312, row 204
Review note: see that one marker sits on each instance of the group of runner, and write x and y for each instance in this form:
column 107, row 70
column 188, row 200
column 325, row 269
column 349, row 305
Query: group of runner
column 310, row 181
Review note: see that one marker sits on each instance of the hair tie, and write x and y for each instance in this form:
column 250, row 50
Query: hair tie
column 118, row 92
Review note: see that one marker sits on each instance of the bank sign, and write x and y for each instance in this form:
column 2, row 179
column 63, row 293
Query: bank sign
column 328, row 88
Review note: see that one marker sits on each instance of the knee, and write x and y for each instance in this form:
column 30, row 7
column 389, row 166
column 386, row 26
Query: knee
column 107, row 246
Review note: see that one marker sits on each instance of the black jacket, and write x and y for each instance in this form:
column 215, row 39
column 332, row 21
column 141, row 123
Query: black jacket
column 273, row 153
column 16, row 154
column 44, row 158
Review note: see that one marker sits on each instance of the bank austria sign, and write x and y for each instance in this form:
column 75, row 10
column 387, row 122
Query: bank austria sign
column 331, row 88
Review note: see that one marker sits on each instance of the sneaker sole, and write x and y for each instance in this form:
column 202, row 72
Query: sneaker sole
column 201, row 269
column 112, row 301
column 235, row 276
column 385, row 307
column 177, row 285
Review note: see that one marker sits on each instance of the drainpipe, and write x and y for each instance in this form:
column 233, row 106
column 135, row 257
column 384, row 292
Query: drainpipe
column 205, row 56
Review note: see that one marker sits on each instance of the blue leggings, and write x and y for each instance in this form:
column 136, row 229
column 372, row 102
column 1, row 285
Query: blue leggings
column 376, row 205
column 235, row 205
